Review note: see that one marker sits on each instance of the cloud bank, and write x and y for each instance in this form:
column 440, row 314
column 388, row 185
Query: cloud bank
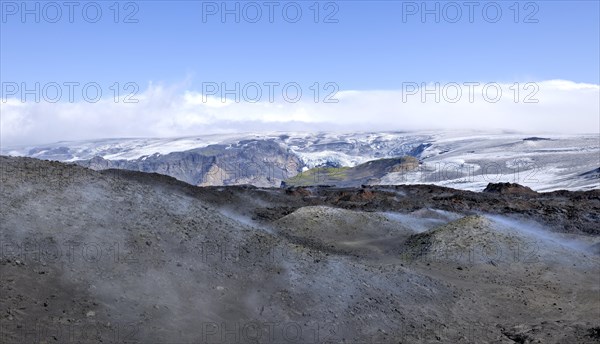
column 555, row 106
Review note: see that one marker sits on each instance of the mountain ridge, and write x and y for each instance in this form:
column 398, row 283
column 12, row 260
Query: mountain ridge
column 468, row 160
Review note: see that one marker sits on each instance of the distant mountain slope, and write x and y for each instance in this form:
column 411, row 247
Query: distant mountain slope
column 464, row 160
column 366, row 173
column 256, row 162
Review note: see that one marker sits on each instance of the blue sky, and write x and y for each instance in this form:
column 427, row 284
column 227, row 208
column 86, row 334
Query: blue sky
column 371, row 48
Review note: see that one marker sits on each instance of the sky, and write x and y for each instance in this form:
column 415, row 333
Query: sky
column 88, row 70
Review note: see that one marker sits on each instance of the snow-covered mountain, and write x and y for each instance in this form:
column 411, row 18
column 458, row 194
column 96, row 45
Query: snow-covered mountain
column 463, row 160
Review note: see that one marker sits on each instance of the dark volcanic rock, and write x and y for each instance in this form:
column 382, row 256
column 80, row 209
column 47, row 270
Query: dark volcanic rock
column 509, row 188
column 593, row 174
column 535, row 138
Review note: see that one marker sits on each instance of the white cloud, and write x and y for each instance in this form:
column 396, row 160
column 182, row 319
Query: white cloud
column 562, row 107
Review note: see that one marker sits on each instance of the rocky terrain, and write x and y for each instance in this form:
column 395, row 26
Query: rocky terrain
column 467, row 160
column 367, row 173
column 124, row 256
column 256, row 162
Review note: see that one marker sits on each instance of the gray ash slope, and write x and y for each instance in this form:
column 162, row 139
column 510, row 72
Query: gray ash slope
column 388, row 264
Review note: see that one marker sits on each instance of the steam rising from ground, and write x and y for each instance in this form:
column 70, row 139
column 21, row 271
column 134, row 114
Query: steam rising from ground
column 541, row 234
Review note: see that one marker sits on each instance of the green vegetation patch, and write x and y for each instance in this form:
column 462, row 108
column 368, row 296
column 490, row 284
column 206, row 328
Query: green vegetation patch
column 319, row 175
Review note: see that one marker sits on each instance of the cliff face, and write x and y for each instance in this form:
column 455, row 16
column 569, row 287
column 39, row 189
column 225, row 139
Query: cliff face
column 256, row 162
